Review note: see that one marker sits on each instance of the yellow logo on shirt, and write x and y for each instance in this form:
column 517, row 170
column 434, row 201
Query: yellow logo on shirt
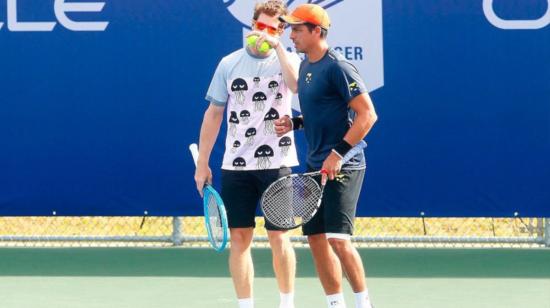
column 353, row 86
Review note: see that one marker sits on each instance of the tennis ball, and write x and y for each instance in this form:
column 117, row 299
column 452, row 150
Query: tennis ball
column 264, row 47
column 251, row 41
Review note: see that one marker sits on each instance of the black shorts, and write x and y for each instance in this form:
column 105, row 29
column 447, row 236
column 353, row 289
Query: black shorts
column 337, row 211
column 241, row 193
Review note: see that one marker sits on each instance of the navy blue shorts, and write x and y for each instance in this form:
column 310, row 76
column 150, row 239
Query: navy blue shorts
column 338, row 206
column 242, row 191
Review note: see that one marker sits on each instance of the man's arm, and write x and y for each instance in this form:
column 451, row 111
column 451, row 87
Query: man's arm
column 288, row 68
column 364, row 121
column 210, row 129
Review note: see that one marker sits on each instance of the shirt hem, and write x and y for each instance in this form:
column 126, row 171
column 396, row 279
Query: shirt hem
column 274, row 168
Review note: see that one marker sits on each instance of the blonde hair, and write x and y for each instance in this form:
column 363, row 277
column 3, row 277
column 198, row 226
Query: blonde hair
column 270, row 8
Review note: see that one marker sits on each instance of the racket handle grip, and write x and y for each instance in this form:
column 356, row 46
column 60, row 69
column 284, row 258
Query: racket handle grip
column 194, row 148
column 354, row 151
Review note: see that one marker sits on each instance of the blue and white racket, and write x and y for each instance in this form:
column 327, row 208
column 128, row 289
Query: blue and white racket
column 215, row 217
column 293, row 200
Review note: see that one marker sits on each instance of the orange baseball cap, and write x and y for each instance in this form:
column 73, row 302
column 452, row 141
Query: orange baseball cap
column 308, row 13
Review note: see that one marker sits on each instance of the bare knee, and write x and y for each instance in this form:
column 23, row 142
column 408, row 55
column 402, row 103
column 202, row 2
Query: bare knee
column 319, row 245
column 317, row 240
column 241, row 238
column 278, row 240
column 341, row 247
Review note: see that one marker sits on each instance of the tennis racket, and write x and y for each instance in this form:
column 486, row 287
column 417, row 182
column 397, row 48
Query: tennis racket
column 215, row 217
column 293, row 200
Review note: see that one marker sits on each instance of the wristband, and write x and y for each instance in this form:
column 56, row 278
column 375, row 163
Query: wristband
column 334, row 151
column 342, row 148
column 297, row 123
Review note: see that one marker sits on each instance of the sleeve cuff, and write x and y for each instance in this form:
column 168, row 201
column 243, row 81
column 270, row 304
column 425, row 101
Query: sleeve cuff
column 215, row 101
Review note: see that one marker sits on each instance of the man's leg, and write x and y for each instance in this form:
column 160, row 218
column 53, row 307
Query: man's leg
column 240, row 198
column 284, row 265
column 351, row 263
column 354, row 270
column 240, row 261
column 284, row 259
column 342, row 197
column 327, row 264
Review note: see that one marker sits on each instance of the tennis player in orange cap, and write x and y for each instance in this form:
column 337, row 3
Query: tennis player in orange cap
column 337, row 113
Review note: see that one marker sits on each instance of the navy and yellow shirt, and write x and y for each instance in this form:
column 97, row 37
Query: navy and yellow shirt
column 325, row 89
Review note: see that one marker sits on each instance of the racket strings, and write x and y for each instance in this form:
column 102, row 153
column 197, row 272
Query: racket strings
column 214, row 221
column 291, row 201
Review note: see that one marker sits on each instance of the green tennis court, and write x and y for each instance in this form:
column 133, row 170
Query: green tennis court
column 150, row 277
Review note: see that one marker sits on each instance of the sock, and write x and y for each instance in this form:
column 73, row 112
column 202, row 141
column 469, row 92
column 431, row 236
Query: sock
column 336, row 301
column 362, row 299
column 287, row 300
column 246, row 303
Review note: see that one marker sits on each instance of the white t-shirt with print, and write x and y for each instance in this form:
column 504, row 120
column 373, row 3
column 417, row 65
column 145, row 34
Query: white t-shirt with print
column 255, row 95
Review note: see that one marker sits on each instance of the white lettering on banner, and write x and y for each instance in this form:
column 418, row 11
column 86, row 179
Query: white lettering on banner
column 15, row 25
column 60, row 9
column 352, row 53
column 1, row 24
column 508, row 24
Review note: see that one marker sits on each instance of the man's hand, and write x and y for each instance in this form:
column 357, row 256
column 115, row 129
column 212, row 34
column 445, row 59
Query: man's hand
column 264, row 37
column 271, row 40
column 203, row 176
column 282, row 125
column 332, row 165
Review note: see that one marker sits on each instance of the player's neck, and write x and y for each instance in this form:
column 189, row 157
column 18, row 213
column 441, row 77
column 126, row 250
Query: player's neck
column 317, row 52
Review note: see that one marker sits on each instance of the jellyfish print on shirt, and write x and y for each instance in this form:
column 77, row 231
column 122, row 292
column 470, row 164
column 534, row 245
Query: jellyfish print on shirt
column 278, row 99
column 249, row 134
column 233, row 121
column 269, row 121
column 256, row 81
column 239, row 163
column 245, row 116
column 273, row 86
column 284, row 144
column 259, row 99
column 236, row 145
column 262, row 155
column 239, row 87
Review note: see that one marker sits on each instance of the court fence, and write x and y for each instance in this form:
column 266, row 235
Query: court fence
column 516, row 232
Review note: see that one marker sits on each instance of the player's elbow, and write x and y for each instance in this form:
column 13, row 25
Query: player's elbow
column 373, row 117
column 293, row 87
column 367, row 119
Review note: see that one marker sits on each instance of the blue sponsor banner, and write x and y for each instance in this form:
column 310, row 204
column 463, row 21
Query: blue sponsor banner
column 99, row 101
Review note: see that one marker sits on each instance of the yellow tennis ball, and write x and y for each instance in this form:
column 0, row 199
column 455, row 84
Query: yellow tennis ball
column 251, row 41
column 264, row 47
